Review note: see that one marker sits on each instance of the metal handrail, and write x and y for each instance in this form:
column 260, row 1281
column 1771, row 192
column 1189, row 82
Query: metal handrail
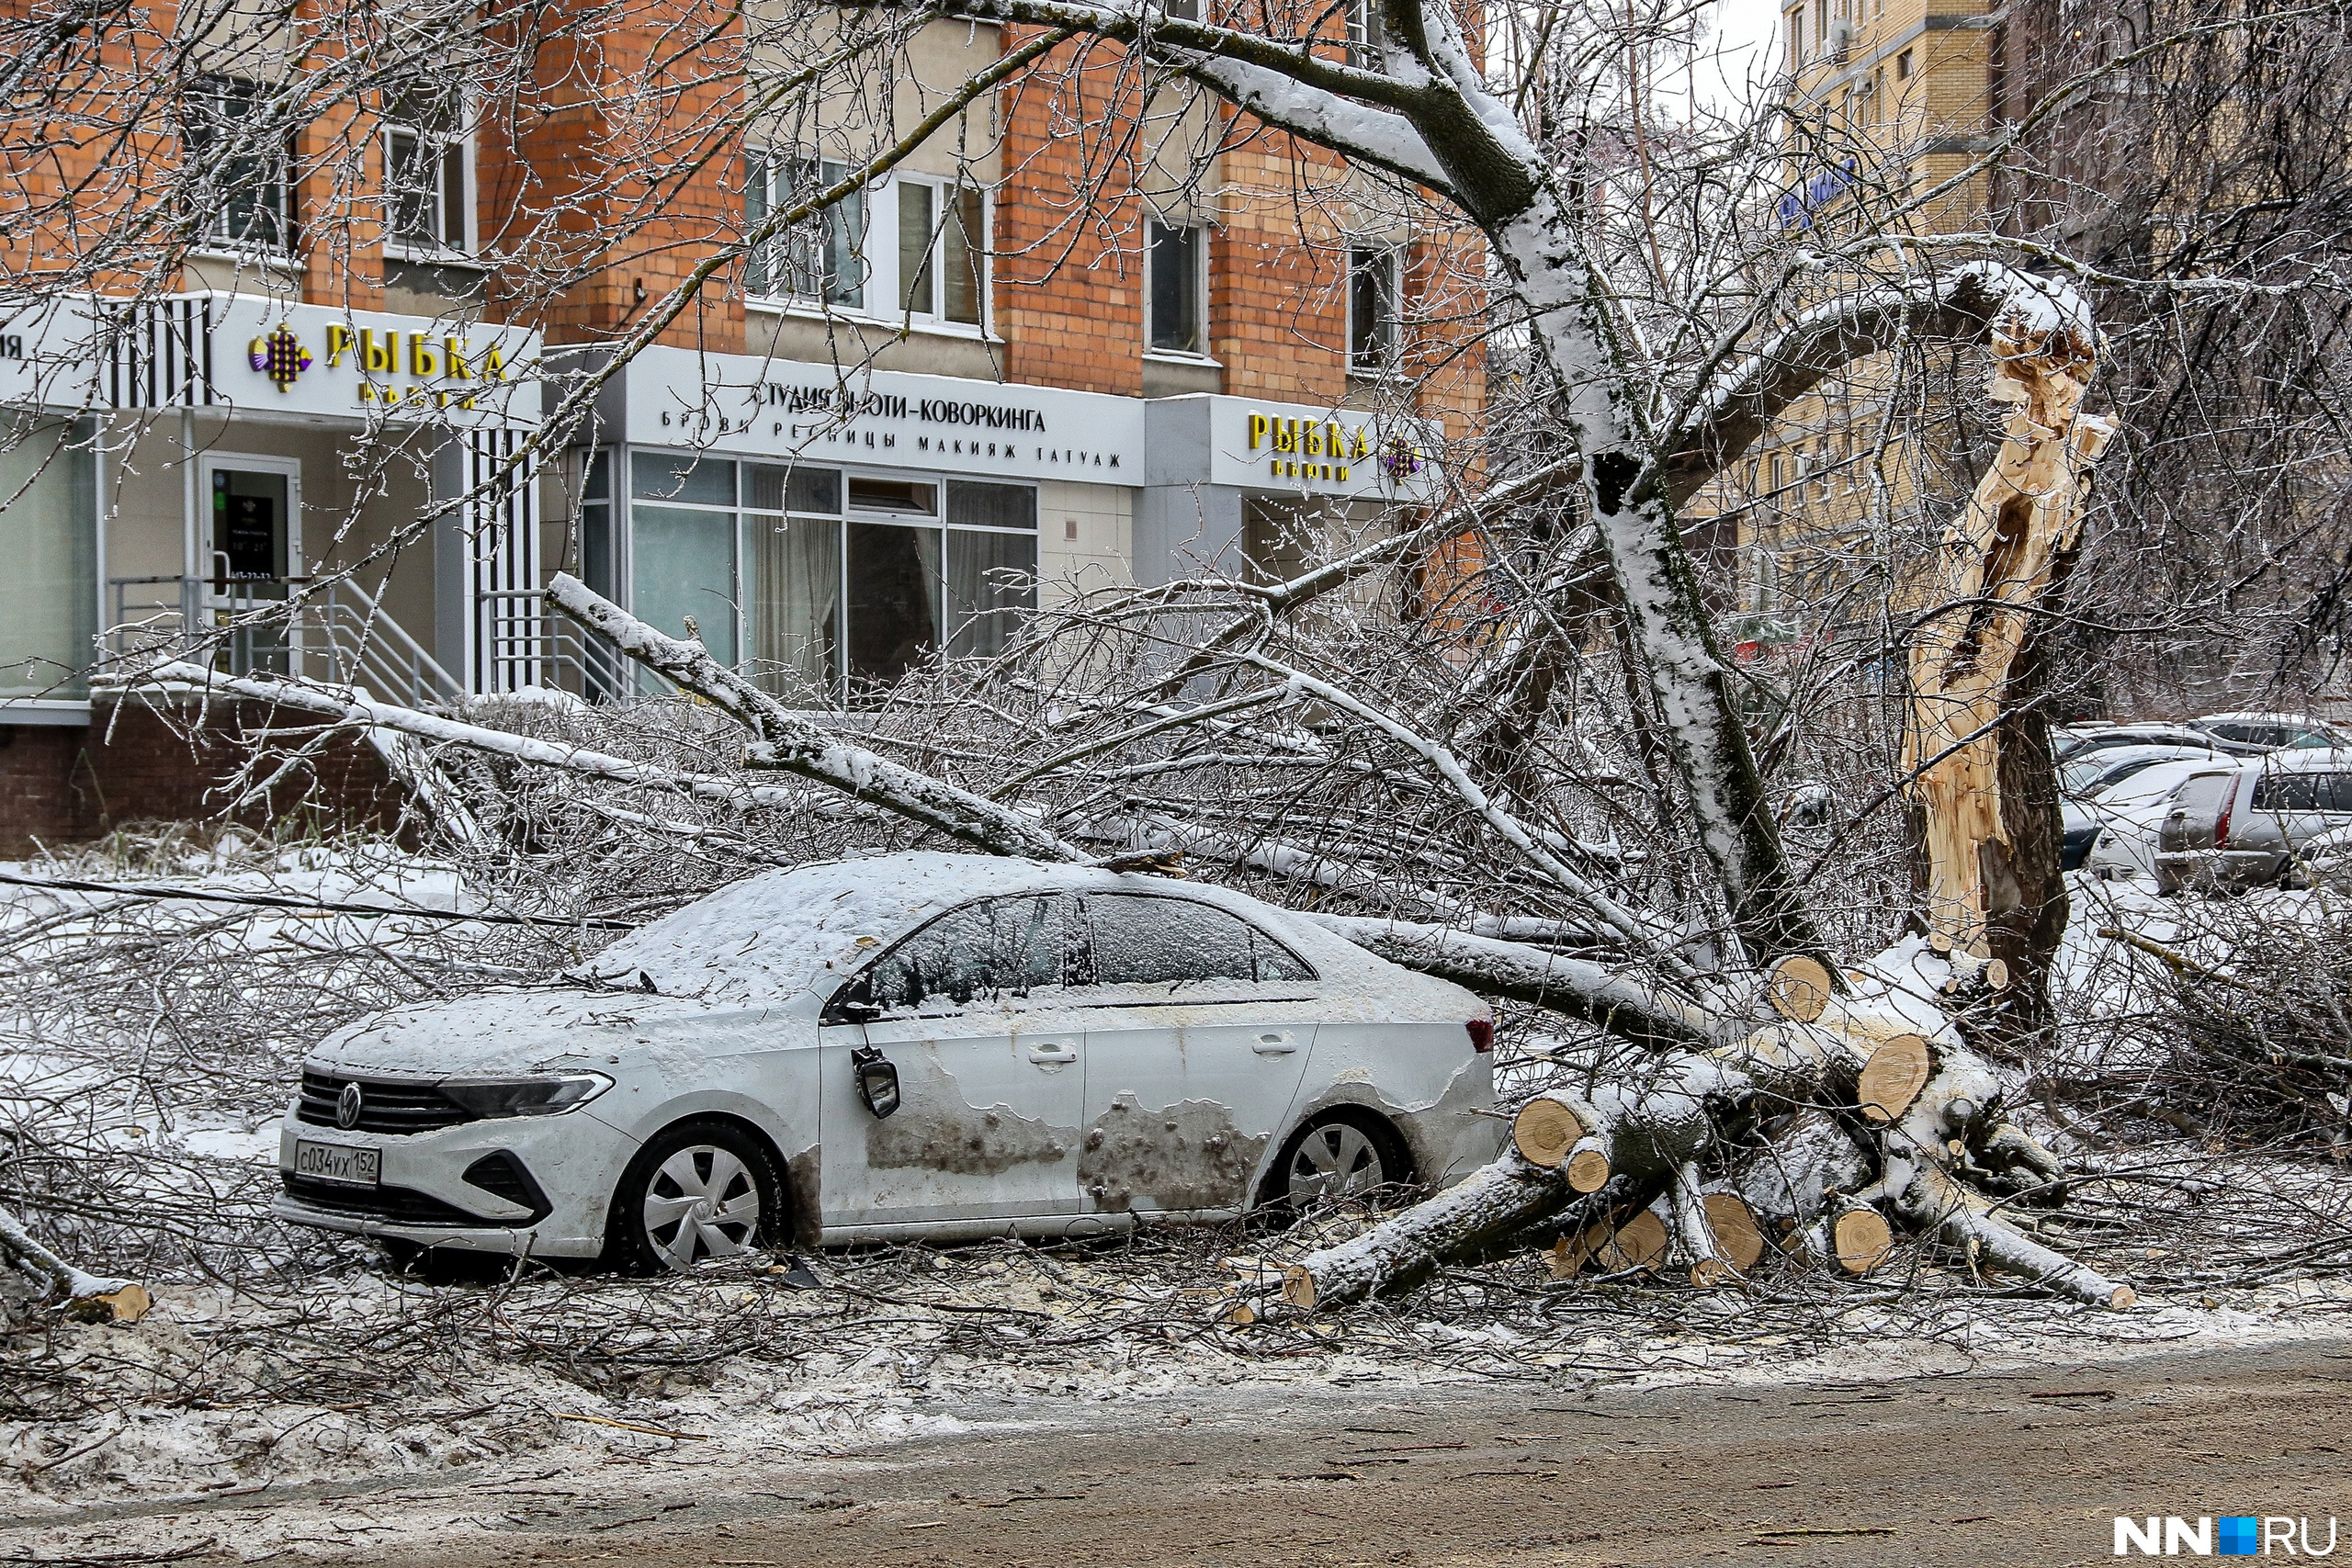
column 341, row 636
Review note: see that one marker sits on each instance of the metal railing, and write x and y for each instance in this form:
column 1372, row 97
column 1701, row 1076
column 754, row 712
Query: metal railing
column 523, row 645
column 339, row 636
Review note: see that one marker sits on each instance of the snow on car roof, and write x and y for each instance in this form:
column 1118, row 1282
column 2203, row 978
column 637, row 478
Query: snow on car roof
column 2155, row 783
column 770, row 936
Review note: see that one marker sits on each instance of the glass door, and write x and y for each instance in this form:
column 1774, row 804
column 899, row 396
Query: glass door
column 249, row 541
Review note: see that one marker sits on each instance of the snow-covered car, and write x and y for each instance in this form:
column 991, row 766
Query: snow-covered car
column 2081, row 740
column 2285, row 817
column 2083, row 778
column 2258, row 732
column 912, row 1046
column 2130, row 813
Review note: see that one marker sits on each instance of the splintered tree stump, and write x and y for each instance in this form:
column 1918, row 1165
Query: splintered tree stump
column 1799, row 989
column 1862, row 1239
column 1738, row 1236
column 1891, row 1080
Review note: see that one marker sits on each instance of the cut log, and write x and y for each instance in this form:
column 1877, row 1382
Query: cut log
column 1738, row 1237
column 1545, row 1130
column 1639, row 1243
column 1588, row 1166
column 1891, row 1080
column 1861, row 1239
column 1799, row 988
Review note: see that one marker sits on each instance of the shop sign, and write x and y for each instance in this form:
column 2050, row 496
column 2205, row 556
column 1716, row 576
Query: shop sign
column 764, row 407
column 310, row 359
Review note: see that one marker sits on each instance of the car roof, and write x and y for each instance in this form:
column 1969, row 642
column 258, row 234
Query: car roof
column 2251, row 716
column 775, row 934
column 2305, row 759
column 2153, row 783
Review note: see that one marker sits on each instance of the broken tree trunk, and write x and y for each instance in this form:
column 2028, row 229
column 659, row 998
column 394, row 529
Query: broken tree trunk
column 84, row 1294
column 1976, row 746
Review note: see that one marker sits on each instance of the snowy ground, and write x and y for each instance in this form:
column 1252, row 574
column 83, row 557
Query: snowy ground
column 148, row 1047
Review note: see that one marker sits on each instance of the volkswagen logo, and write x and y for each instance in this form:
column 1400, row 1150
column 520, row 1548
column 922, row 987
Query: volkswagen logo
column 347, row 1106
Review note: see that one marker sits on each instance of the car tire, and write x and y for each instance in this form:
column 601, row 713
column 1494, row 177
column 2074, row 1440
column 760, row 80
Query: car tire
column 697, row 1189
column 1334, row 1155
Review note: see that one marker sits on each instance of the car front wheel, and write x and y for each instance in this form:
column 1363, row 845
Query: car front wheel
column 697, row 1189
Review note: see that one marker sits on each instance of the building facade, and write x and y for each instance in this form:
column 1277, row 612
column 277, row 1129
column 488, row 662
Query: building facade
column 405, row 361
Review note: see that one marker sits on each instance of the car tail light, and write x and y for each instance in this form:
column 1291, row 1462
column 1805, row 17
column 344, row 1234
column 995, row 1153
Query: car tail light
column 2221, row 822
column 1482, row 1034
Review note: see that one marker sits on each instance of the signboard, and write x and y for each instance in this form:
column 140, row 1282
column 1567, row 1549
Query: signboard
column 261, row 355
column 1292, row 449
column 745, row 405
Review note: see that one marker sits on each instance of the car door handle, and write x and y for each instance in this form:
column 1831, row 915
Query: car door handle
column 1049, row 1056
column 1275, row 1044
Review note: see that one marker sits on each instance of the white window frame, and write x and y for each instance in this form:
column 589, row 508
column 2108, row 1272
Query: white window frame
column 877, row 246
column 1200, row 264
column 213, row 236
column 943, row 193
column 773, row 172
column 443, row 143
column 1390, row 365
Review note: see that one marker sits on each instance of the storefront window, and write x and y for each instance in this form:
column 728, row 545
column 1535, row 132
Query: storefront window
column 682, row 559
column 849, row 581
column 793, row 544
column 48, row 537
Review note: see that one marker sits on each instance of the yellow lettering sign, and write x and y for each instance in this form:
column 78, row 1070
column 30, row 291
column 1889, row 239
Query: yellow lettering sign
column 338, row 344
column 454, row 349
column 423, row 359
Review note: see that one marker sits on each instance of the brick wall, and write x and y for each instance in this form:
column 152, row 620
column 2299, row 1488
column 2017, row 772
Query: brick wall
column 66, row 783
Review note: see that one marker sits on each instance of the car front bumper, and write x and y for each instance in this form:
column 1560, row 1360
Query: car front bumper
column 569, row 1165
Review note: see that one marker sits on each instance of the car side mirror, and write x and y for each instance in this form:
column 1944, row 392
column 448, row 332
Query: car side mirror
column 877, row 1080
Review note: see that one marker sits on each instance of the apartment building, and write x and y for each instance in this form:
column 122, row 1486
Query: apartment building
column 1888, row 100
column 1007, row 371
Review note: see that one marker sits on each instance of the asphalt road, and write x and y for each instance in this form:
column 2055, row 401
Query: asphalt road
column 1978, row 1468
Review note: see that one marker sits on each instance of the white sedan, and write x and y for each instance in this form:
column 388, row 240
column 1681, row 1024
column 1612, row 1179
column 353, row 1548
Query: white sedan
column 914, row 1045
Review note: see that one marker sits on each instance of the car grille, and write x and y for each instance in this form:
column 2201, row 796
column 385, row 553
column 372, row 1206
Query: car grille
column 396, row 1205
column 385, row 1105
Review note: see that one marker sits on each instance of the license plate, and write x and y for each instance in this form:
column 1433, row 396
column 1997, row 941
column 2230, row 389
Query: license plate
column 339, row 1162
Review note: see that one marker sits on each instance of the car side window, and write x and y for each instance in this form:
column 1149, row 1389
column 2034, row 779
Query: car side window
column 2335, row 792
column 1145, row 941
column 981, row 952
column 2288, row 791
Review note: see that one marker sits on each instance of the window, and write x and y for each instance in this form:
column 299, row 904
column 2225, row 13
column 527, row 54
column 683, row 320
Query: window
column 242, row 173
column 427, row 172
column 981, row 952
column 853, row 579
column 1173, row 264
column 1183, row 10
column 991, row 565
column 1795, row 48
column 682, row 526
column 1140, row 940
column 822, row 259
column 943, row 246
column 1371, row 312
column 1367, row 34
column 1903, row 66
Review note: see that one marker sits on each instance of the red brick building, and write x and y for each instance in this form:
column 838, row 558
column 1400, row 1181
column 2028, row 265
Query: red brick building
column 1069, row 341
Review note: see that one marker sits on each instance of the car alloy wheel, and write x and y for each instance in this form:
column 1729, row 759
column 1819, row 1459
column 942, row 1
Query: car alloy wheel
column 1337, row 1159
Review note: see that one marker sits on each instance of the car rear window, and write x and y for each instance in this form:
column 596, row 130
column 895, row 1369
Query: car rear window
column 1144, row 941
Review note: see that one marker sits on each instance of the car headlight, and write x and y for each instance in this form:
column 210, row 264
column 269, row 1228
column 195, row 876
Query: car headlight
column 526, row 1097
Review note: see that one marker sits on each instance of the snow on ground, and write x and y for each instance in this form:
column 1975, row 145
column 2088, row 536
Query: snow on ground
column 145, row 1051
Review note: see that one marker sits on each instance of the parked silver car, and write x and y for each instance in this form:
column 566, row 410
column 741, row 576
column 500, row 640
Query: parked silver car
column 2273, row 731
column 2084, row 780
column 2279, row 818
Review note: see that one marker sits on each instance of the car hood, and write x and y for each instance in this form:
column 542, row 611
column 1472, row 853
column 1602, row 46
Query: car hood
column 511, row 1032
